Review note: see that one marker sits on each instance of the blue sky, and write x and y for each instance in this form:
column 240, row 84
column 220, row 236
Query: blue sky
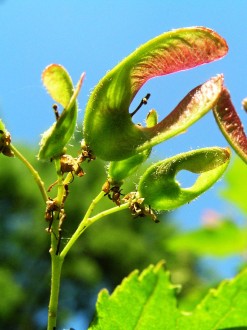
column 93, row 36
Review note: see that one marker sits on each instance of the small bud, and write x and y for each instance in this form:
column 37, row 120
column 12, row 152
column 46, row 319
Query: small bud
column 5, row 141
column 244, row 104
column 152, row 118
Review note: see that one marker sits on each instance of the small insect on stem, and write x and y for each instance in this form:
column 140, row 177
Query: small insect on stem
column 55, row 109
column 143, row 101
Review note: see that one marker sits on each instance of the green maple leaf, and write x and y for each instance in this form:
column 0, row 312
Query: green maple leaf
column 148, row 301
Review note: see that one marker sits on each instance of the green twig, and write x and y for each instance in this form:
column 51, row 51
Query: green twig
column 56, row 259
column 56, row 269
column 87, row 221
column 82, row 226
column 34, row 173
column 107, row 212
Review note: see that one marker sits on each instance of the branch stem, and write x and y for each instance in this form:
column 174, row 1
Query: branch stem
column 31, row 169
column 56, row 259
column 87, row 221
column 56, row 268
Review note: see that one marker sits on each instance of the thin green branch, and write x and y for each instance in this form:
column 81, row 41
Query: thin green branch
column 34, row 173
column 56, row 259
column 57, row 263
column 60, row 183
column 68, row 179
column 107, row 212
column 87, row 221
column 82, row 226
column 95, row 201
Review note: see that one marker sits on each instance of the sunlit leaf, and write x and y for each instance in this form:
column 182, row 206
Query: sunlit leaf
column 148, row 301
column 137, row 303
column 222, row 308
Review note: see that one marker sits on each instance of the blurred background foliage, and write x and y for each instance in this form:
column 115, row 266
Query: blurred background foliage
column 108, row 251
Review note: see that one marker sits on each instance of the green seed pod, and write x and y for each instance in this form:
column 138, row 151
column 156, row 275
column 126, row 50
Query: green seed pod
column 108, row 128
column 119, row 170
column 230, row 124
column 158, row 185
column 59, row 85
